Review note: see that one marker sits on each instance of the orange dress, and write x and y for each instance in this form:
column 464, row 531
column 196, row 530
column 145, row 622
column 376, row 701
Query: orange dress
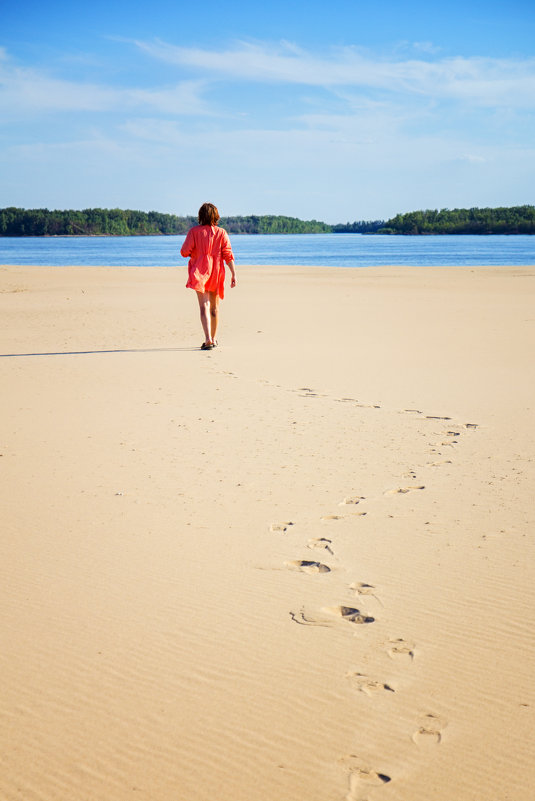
column 208, row 248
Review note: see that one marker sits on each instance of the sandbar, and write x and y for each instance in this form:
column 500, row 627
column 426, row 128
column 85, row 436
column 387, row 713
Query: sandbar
column 299, row 566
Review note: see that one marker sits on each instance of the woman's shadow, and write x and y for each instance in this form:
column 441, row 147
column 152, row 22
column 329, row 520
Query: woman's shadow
column 89, row 352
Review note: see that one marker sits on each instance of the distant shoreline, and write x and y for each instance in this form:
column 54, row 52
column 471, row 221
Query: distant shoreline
column 273, row 233
column 16, row 222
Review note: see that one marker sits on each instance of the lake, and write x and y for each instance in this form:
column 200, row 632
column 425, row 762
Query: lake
column 337, row 250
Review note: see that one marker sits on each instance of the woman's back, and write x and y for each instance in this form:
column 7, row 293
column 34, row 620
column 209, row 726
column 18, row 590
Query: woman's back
column 208, row 248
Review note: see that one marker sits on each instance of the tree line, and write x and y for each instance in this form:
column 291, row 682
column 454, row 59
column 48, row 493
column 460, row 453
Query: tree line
column 360, row 227
column 90, row 222
column 127, row 222
column 273, row 224
column 502, row 220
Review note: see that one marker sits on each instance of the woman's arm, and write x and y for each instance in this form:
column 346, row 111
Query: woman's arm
column 232, row 268
column 189, row 243
column 228, row 256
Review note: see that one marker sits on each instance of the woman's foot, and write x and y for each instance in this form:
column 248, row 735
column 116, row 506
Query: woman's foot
column 207, row 346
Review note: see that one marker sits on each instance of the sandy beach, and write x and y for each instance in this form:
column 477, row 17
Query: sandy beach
column 299, row 567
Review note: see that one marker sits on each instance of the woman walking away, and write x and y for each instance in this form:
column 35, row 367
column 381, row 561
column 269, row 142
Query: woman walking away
column 208, row 248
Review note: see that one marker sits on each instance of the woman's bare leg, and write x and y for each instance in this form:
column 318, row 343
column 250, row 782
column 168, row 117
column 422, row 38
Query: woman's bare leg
column 214, row 313
column 204, row 308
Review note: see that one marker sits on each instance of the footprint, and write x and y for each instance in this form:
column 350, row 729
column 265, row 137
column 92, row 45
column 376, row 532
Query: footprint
column 348, row 613
column 429, row 731
column 400, row 648
column 436, row 417
column 403, row 490
column 344, row 613
column 320, row 543
column 361, row 588
column 281, row 526
column 361, row 777
column 352, row 500
column 305, row 566
column 328, row 518
column 439, row 464
column 366, row 685
column 449, row 438
column 412, row 411
column 471, row 425
column 303, row 620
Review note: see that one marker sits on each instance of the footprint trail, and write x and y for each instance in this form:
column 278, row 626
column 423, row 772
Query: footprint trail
column 362, row 779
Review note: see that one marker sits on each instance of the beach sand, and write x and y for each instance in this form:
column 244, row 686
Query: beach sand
column 298, row 567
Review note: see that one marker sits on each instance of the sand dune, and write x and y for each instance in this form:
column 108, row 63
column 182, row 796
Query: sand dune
column 297, row 567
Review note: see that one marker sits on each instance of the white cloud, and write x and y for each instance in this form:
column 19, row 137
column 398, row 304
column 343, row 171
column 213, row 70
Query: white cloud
column 426, row 47
column 485, row 81
column 28, row 90
column 472, row 159
column 341, row 127
column 182, row 99
column 344, row 144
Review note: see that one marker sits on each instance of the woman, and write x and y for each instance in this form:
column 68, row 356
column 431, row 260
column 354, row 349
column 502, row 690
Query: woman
column 208, row 248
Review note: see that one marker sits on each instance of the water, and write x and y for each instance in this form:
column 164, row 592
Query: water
column 339, row 250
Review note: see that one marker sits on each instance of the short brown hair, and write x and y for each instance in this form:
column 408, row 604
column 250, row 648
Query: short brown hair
column 208, row 214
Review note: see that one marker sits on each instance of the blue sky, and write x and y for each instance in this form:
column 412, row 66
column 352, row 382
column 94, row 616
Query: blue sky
column 334, row 111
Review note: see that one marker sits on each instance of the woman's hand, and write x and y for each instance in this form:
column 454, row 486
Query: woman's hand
column 233, row 282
